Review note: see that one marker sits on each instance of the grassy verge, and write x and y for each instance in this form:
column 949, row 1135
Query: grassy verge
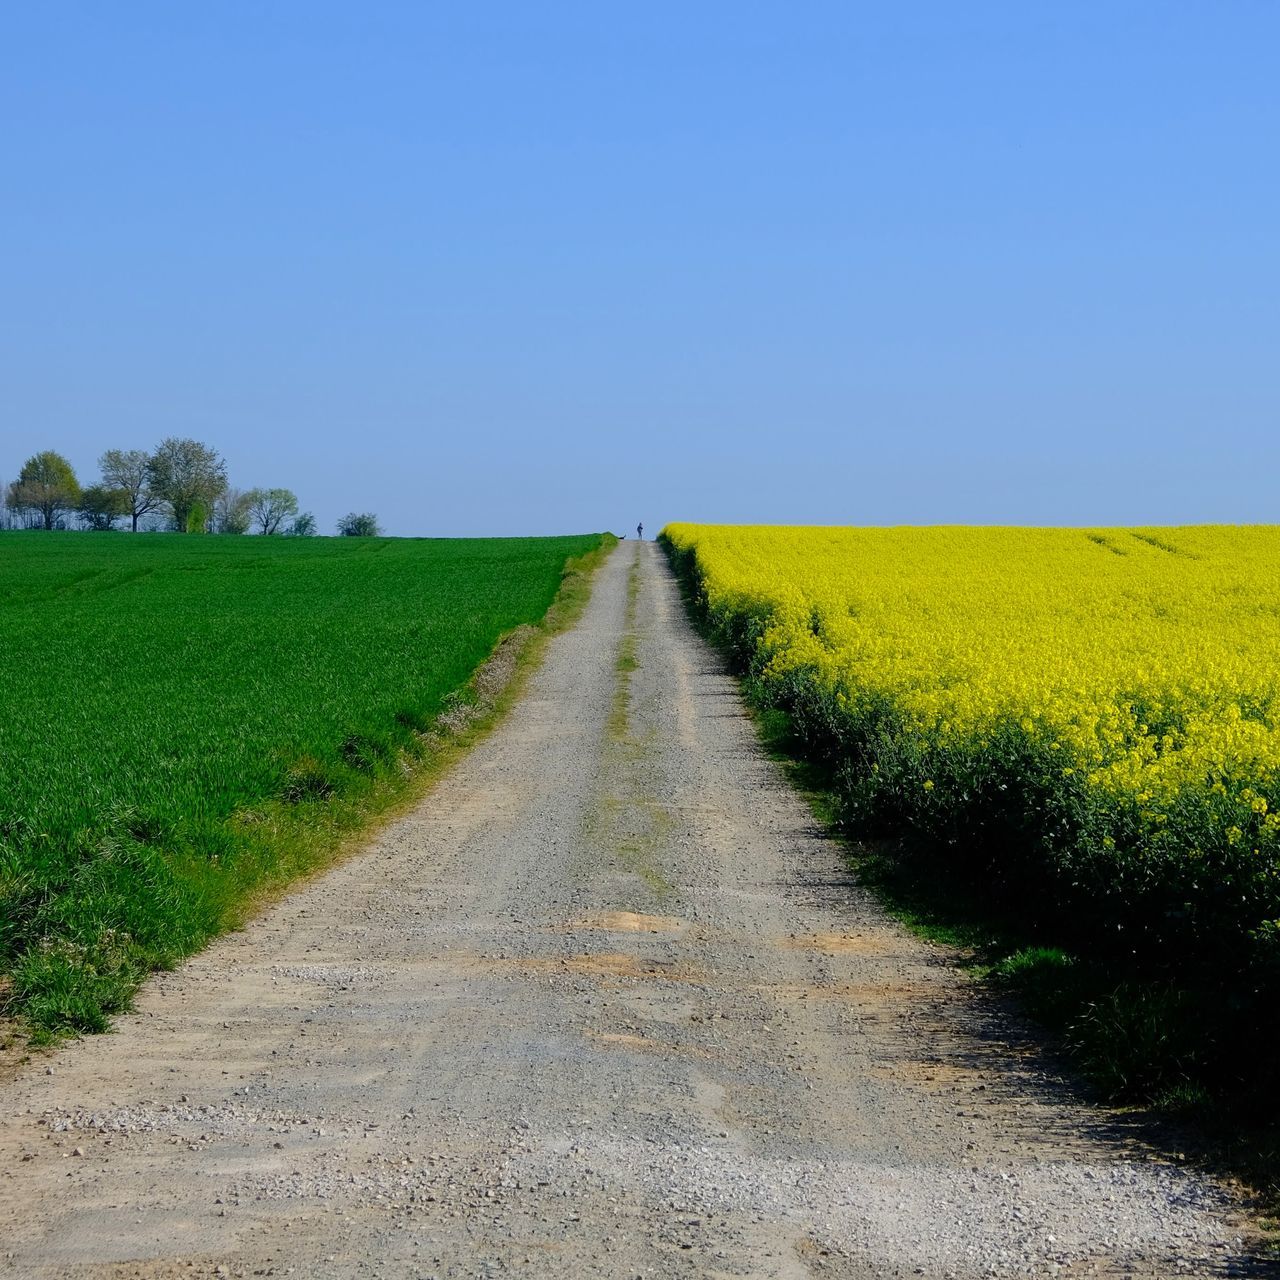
column 171, row 843
column 626, row 661
column 629, row 821
column 1138, row 1039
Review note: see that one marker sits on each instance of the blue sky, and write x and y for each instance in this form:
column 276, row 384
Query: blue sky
column 532, row 268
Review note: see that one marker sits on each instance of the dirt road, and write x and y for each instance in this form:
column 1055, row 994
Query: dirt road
column 606, row 1005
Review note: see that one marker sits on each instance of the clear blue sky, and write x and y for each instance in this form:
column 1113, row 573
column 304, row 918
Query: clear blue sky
column 525, row 268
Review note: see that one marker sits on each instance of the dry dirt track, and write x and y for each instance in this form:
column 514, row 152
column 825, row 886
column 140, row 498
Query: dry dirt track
column 606, row 1005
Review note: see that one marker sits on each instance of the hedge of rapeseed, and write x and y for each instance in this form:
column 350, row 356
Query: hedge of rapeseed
column 1086, row 721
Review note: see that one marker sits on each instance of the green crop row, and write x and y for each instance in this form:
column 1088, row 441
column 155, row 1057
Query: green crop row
column 187, row 722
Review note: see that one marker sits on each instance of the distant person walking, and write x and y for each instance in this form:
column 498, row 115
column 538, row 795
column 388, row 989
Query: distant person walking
column 640, row 530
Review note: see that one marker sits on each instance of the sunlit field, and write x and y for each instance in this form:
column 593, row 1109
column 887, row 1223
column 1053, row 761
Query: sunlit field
column 1084, row 722
column 169, row 704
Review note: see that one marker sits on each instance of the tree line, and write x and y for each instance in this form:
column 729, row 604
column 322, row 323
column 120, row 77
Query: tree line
column 180, row 485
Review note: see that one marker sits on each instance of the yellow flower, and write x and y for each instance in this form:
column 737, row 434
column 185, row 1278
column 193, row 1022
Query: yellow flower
column 1141, row 670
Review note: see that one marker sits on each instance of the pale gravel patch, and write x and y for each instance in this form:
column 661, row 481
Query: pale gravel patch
column 341, row 977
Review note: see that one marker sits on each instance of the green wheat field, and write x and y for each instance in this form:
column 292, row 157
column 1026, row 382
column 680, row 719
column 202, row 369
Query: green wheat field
column 187, row 722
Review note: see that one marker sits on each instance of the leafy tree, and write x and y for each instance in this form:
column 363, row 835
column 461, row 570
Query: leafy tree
column 128, row 470
column 186, row 475
column 231, row 512
column 304, row 526
column 100, row 507
column 363, row 525
column 268, row 508
column 46, row 487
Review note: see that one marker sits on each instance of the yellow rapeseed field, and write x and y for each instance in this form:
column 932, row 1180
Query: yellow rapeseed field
column 1098, row 707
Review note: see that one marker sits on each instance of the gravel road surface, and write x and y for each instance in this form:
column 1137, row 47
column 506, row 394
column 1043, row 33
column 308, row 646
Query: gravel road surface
column 607, row 1004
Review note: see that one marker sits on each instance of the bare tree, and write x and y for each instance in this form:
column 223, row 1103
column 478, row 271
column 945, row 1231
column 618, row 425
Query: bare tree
column 270, row 507
column 12, row 514
column 128, row 470
column 231, row 512
column 188, row 476
column 46, row 488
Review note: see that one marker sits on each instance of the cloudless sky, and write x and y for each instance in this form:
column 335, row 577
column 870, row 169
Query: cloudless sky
column 532, row 268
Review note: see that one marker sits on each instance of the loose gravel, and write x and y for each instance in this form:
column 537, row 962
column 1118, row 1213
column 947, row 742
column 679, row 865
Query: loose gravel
column 607, row 1004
